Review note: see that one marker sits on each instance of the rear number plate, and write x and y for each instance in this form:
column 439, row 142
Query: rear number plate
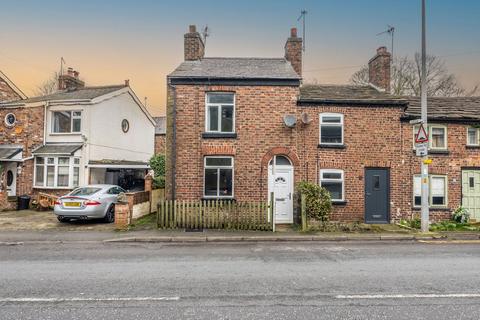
column 72, row 204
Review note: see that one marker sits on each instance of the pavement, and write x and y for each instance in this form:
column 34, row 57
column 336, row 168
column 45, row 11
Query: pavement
column 249, row 280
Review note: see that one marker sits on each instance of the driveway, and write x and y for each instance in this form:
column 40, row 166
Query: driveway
column 46, row 220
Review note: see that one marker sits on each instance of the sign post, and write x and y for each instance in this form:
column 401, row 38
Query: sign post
column 425, row 192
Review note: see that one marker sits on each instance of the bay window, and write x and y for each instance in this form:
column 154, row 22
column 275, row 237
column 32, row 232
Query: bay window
column 66, row 121
column 333, row 181
column 331, row 129
column 218, row 177
column 57, row 172
column 220, row 112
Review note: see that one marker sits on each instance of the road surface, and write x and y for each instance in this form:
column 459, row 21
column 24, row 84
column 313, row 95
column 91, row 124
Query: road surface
column 394, row 280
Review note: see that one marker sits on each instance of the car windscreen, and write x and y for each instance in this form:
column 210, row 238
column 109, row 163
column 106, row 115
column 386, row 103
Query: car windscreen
column 87, row 191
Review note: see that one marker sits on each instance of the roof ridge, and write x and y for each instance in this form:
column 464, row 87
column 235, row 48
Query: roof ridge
column 245, row 58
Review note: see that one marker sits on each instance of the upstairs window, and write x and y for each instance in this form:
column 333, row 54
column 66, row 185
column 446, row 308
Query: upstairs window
column 331, row 129
column 437, row 137
column 220, row 112
column 473, row 136
column 66, row 121
column 333, row 181
column 218, row 175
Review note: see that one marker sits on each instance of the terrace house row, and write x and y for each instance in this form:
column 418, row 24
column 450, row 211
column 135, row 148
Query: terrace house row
column 241, row 128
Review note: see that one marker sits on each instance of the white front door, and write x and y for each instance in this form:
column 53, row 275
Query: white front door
column 11, row 178
column 471, row 192
column 280, row 182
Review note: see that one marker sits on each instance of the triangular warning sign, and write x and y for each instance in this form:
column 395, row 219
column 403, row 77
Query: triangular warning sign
column 421, row 135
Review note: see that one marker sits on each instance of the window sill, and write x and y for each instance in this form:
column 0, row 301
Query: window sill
column 332, row 146
column 218, row 199
column 339, row 203
column 65, row 133
column 434, row 208
column 473, row 147
column 215, row 135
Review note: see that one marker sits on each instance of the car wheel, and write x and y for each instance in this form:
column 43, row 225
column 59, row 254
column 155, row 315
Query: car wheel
column 63, row 219
column 110, row 215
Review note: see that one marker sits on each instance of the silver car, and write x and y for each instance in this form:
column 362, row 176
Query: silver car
column 89, row 202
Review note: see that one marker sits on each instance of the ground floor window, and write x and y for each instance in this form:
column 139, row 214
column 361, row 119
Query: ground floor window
column 57, row 172
column 438, row 191
column 333, row 181
column 218, row 177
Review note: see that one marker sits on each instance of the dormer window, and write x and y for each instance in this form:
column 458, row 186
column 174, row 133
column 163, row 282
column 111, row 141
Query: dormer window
column 66, row 121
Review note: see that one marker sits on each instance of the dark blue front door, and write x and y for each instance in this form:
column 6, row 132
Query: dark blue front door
column 377, row 195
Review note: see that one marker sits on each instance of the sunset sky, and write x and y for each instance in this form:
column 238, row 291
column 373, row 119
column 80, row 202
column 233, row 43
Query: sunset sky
column 142, row 40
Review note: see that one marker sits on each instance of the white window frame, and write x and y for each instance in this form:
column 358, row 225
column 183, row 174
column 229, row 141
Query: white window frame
column 342, row 180
column 429, row 132
column 445, row 177
column 72, row 117
column 218, row 196
column 219, row 107
column 329, row 124
column 477, row 130
column 71, row 165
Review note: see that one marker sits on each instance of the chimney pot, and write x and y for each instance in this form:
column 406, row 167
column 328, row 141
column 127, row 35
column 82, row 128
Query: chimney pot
column 127, row 83
column 192, row 28
column 293, row 32
column 382, row 50
column 70, row 71
column 76, row 74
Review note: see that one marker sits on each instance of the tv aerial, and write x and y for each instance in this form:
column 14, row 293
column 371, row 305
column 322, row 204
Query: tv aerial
column 391, row 32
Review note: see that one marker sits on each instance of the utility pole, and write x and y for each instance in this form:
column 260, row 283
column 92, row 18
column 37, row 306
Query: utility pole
column 424, row 174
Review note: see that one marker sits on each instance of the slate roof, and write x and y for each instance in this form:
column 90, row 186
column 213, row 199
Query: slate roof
column 86, row 93
column 160, row 125
column 62, row 149
column 353, row 94
column 448, row 108
column 236, row 68
column 9, row 151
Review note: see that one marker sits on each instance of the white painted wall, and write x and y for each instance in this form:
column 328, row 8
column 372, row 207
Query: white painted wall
column 107, row 140
column 66, row 137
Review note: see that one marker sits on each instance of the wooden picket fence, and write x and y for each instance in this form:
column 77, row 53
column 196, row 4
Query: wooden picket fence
column 215, row 214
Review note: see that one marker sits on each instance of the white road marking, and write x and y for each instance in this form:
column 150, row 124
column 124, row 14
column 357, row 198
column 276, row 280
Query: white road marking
column 85, row 299
column 409, row 296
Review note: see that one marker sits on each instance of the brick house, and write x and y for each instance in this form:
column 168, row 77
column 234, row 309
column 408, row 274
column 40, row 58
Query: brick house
column 62, row 140
column 240, row 128
column 160, row 134
column 454, row 147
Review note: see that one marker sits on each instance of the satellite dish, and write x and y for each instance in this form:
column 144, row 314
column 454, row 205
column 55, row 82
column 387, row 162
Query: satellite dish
column 289, row 120
column 306, row 118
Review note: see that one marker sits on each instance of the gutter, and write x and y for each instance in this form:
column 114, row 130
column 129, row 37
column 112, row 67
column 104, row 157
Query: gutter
column 394, row 103
column 174, row 140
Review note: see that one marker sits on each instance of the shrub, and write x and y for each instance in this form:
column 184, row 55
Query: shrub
column 318, row 201
column 461, row 215
column 157, row 163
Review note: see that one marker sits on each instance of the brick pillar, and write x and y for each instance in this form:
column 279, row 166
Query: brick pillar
column 148, row 183
column 122, row 215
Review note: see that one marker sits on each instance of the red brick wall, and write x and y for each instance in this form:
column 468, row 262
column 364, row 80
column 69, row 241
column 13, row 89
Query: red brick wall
column 160, row 143
column 28, row 131
column 6, row 92
column 450, row 164
column 371, row 140
column 259, row 111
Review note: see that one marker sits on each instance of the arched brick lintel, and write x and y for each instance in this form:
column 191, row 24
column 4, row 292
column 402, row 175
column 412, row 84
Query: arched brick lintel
column 280, row 151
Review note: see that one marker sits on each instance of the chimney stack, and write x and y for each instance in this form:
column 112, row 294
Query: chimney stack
column 194, row 48
column 127, row 83
column 379, row 69
column 70, row 80
column 293, row 51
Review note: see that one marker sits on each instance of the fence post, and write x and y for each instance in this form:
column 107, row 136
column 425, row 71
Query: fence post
column 272, row 213
column 303, row 204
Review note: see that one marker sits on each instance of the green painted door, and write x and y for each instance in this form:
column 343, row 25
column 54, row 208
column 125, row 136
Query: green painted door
column 471, row 192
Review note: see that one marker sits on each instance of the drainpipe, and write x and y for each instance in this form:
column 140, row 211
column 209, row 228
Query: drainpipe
column 174, row 141
column 45, row 121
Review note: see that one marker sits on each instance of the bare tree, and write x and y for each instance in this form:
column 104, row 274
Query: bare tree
column 406, row 75
column 49, row 86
